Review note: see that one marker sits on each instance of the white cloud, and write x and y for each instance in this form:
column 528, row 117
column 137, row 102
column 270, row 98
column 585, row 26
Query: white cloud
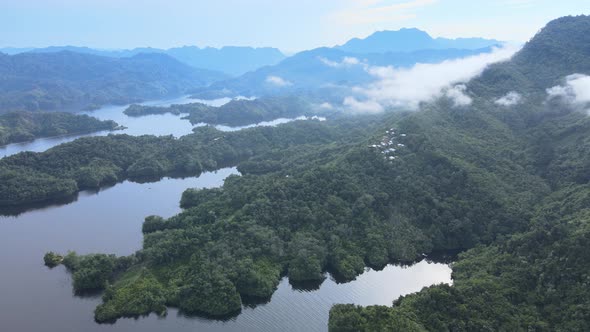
column 278, row 81
column 576, row 90
column 458, row 95
column 346, row 62
column 350, row 61
column 326, row 106
column 425, row 82
column 510, row 99
column 366, row 107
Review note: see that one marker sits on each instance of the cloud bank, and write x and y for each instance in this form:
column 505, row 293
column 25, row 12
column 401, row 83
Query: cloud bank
column 396, row 87
column 575, row 91
column 510, row 99
column 458, row 95
column 346, row 62
column 278, row 81
column 367, row 106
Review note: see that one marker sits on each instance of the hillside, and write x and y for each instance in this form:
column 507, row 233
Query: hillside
column 25, row 126
column 507, row 184
column 504, row 180
column 559, row 50
column 75, row 81
column 533, row 279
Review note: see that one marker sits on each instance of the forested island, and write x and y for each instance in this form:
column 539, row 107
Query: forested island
column 238, row 112
column 25, row 126
column 507, row 183
column 93, row 162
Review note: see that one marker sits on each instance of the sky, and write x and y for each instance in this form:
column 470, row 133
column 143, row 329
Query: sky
column 288, row 25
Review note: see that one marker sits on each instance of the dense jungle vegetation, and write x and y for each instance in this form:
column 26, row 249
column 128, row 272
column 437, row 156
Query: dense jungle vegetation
column 92, row 162
column 26, row 126
column 535, row 279
column 506, row 184
column 236, row 112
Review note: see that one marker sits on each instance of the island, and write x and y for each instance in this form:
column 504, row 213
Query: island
column 238, row 112
column 24, row 126
column 505, row 183
column 93, row 162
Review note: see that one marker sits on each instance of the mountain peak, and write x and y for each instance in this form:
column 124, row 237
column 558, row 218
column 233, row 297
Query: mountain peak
column 570, row 33
column 403, row 40
column 411, row 40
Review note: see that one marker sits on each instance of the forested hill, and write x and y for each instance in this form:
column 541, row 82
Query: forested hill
column 25, row 126
column 534, row 279
column 504, row 179
column 74, row 81
column 239, row 112
column 558, row 50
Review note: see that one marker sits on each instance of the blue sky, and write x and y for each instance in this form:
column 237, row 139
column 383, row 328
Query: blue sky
column 289, row 25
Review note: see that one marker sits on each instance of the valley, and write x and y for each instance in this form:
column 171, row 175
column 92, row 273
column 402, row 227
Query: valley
column 396, row 182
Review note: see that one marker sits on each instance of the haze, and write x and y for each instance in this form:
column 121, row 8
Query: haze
column 289, row 25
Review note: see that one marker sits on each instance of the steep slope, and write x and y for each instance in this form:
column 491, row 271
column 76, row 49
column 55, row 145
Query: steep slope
column 73, row 81
column 558, row 50
column 325, row 196
column 535, row 279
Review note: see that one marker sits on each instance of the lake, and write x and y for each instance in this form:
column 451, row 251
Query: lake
column 153, row 124
column 164, row 124
column 35, row 298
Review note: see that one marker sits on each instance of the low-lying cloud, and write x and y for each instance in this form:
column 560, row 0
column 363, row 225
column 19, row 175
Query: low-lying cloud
column 401, row 87
column 326, row 106
column 367, row 106
column 510, row 99
column 458, row 95
column 575, row 91
column 347, row 61
column 278, row 81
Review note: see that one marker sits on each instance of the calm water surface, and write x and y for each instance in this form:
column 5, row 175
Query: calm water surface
column 165, row 124
column 35, row 298
column 153, row 124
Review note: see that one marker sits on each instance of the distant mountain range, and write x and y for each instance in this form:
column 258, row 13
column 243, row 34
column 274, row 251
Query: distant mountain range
column 342, row 66
column 236, row 61
column 231, row 60
column 70, row 78
column 323, row 69
column 73, row 81
column 410, row 40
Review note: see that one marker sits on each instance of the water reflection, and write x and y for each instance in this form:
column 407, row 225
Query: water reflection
column 157, row 124
column 35, row 298
column 152, row 124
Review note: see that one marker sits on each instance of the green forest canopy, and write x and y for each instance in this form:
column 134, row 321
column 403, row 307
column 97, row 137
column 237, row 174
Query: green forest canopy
column 507, row 184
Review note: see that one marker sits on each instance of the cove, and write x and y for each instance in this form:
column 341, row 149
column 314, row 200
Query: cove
column 35, row 298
